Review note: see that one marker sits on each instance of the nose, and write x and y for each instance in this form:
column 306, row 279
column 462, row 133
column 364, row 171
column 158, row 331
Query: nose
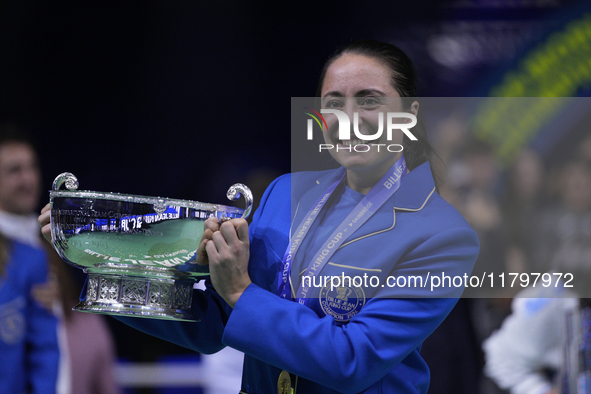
column 350, row 108
column 30, row 175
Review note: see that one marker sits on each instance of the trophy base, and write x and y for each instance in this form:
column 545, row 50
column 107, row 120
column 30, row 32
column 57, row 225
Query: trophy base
column 153, row 298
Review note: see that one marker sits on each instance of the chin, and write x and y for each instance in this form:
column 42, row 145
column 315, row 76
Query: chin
column 361, row 163
column 351, row 162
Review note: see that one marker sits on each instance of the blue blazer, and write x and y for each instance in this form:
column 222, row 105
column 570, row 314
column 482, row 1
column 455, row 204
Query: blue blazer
column 369, row 344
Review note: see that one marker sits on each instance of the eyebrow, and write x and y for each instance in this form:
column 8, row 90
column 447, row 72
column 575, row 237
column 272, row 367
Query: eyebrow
column 360, row 93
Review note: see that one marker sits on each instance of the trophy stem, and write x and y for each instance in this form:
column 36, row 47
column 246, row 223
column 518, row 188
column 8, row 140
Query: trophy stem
column 122, row 295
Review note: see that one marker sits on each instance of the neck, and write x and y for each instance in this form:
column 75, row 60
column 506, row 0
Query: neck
column 362, row 181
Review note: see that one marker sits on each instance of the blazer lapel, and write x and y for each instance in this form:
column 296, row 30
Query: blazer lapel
column 415, row 190
column 310, row 190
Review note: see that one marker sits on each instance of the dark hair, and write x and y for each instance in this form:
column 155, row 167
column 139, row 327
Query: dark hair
column 11, row 132
column 404, row 80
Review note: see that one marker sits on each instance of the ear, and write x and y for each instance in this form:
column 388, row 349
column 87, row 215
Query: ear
column 414, row 108
column 406, row 142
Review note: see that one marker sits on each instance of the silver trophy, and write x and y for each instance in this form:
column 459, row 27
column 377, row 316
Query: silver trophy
column 139, row 252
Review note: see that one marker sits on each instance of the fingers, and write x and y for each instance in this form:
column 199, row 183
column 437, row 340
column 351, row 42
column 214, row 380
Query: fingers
column 201, row 254
column 218, row 238
column 212, row 224
column 44, row 221
column 45, row 217
column 229, row 232
column 228, row 253
column 235, row 230
column 241, row 226
column 206, row 236
column 46, row 232
column 232, row 234
column 212, row 251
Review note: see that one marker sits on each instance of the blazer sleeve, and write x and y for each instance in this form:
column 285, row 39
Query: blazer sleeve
column 204, row 336
column 347, row 358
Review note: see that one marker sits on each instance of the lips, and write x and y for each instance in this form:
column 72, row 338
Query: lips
column 349, row 142
column 352, row 142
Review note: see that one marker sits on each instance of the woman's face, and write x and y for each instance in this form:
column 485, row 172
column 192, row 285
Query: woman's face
column 357, row 83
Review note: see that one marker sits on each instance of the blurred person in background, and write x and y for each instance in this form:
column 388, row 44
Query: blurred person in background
column 86, row 357
column 526, row 353
column 456, row 366
column 584, row 149
column 450, row 140
column 29, row 353
column 90, row 347
column 450, row 137
column 471, row 184
column 479, row 204
column 522, row 201
column 563, row 231
column 20, row 186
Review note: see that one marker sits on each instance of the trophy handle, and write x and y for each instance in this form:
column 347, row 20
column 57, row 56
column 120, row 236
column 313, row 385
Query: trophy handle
column 65, row 177
column 234, row 193
column 57, row 237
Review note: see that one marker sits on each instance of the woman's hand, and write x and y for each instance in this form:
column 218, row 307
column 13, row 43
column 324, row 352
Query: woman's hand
column 228, row 253
column 210, row 226
column 44, row 222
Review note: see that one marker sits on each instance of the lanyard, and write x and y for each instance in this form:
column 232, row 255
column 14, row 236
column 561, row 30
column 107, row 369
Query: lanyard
column 365, row 209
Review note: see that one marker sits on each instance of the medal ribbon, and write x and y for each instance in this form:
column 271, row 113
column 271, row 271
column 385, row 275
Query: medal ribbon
column 295, row 242
column 365, row 209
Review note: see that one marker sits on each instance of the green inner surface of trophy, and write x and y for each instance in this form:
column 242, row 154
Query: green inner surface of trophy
column 166, row 245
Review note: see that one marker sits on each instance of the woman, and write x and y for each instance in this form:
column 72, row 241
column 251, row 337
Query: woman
column 334, row 338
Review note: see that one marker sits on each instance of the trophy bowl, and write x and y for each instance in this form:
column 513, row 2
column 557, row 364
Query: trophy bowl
column 139, row 252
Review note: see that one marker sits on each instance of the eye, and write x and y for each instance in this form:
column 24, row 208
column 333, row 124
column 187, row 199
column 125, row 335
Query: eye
column 333, row 104
column 14, row 170
column 370, row 102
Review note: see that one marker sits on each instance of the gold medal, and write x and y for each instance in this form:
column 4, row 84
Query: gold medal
column 284, row 383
